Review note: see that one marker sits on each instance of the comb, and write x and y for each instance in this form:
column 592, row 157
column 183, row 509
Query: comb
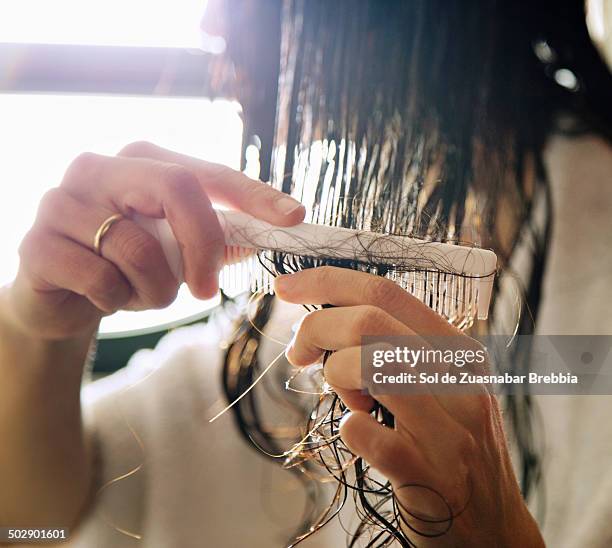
column 454, row 280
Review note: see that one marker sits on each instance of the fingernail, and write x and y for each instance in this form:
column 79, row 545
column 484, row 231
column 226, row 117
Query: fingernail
column 287, row 205
column 344, row 419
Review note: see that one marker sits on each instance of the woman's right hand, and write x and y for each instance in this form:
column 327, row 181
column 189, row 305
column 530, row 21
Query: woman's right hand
column 63, row 287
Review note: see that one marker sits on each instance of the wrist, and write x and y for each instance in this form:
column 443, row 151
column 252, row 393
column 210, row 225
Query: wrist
column 45, row 461
column 21, row 349
column 30, row 321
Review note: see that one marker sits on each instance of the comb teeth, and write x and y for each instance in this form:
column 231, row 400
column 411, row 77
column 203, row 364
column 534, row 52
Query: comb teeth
column 457, row 298
column 455, row 281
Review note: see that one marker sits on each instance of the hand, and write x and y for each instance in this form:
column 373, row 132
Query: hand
column 451, row 444
column 63, row 288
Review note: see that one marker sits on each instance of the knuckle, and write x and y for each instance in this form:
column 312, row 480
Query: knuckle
column 383, row 450
column 368, row 318
column 468, row 446
column 29, row 246
column 84, row 167
column 214, row 248
column 214, row 170
column 308, row 324
column 381, row 290
column 179, row 180
column 479, row 420
column 165, row 296
column 138, row 249
column 256, row 191
column 161, row 296
column 51, row 204
column 143, row 257
column 103, row 282
column 138, row 149
column 325, row 275
column 453, row 492
column 217, row 171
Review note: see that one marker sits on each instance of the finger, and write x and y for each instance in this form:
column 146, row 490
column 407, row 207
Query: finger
column 335, row 328
column 346, row 287
column 55, row 263
column 136, row 253
column 382, row 447
column 425, row 490
column 228, row 187
column 355, row 400
column 343, row 369
column 422, row 416
column 155, row 189
column 419, row 412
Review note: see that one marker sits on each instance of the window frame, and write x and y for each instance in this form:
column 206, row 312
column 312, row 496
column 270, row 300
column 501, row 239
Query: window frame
column 55, row 68
column 146, row 71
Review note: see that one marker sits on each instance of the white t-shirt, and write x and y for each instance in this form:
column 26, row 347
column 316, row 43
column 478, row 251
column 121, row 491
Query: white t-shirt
column 577, row 300
column 201, row 485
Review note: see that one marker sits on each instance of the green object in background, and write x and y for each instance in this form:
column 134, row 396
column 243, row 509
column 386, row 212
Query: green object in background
column 114, row 350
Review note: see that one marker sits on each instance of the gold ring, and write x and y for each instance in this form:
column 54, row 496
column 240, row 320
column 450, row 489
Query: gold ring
column 101, row 232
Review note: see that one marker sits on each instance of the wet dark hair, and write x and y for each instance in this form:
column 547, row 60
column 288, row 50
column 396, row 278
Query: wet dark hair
column 430, row 118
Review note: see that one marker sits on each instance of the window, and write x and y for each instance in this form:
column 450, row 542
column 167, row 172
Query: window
column 95, row 75
column 140, row 23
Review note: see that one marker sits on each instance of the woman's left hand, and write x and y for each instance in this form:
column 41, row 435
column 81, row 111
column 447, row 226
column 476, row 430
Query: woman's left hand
column 449, row 444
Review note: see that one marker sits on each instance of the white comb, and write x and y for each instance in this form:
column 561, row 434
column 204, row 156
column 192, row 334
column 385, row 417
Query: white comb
column 456, row 281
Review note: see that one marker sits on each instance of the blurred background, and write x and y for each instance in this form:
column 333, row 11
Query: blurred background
column 196, row 76
column 95, row 75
